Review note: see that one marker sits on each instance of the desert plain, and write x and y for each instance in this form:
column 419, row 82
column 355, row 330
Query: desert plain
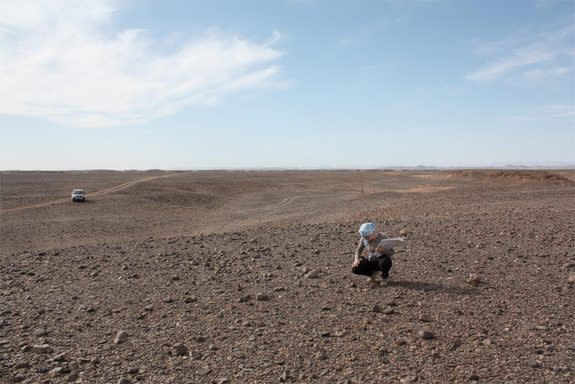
column 244, row 277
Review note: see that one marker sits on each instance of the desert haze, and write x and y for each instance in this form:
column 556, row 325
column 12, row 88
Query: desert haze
column 244, row 277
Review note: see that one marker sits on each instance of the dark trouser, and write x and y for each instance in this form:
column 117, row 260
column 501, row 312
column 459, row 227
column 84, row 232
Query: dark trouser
column 367, row 268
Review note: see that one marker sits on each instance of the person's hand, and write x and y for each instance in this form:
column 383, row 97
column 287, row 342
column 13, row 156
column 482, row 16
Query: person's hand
column 355, row 263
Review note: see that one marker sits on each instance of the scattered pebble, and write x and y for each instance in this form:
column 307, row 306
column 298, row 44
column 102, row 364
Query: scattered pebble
column 424, row 318
column 474, row 279
column 38, row 332
column 181, row 350
column 426, row 335
column 121, row 337
column 203, row 371
column 42, row 348
column 262, row 297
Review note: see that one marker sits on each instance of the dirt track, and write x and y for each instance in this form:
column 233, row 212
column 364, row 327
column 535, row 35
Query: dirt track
column 88, row 195
column 205, row 272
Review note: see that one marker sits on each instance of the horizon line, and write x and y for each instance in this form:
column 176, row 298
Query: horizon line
column 358, row 168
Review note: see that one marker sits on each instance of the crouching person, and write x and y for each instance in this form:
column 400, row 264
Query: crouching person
column 378, row 260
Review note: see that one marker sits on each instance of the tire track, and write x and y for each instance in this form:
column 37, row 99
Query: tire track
column 93, row 194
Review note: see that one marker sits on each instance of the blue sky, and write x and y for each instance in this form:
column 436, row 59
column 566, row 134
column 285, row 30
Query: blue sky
column 286, row 83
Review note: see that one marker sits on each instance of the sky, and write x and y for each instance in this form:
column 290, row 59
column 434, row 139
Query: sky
column 143, row 84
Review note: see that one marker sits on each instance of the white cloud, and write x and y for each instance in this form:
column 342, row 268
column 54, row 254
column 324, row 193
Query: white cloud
column 540, row 57
column 59, row 61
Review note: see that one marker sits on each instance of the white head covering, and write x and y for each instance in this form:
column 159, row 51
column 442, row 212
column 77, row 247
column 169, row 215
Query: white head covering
column 366, row 229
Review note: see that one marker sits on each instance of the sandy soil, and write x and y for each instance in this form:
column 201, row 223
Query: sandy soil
column 244, row 277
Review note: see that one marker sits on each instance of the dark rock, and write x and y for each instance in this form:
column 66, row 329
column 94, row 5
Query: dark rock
column 426, row 335
column 181, row 350
column 262, row 297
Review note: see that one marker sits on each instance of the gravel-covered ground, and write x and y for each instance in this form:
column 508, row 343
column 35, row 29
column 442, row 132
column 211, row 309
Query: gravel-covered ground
column 482, row 292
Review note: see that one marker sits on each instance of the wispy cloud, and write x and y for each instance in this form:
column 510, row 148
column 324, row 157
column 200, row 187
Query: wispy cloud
column 545, row 73
column 59, row 61
column 564, row 112
column 541, row 56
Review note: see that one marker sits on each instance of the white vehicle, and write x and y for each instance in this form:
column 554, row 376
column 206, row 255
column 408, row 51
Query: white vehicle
column 78, row 195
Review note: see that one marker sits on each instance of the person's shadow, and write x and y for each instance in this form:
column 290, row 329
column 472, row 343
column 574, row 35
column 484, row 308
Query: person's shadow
column 433, row 287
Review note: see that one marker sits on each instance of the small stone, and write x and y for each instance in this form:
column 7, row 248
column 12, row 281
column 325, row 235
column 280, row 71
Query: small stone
column 535, row 364
column 124, row 380
column 313, row 274
column 121, row 337
column 22, row 364
column 424, row 318
column 57, row 371
column 189, row 300
column 42, row 348
column 388, row 310
column 376, row 309
column 244, row 299
column 401, row 341
column 426, row 335
column 18, row 378
column 285, row 377
column 72, row 377
column 571, row 278
column 473, row 279
column 38, row 332
column 455, row 345
column 223, row 380
column 133, row 370
column 555, row 323
column 473, row 377
column 262, row 297
column 181, row 350
column 60, row 357
column 321, row 354
column 175, row 278
column 196, row 355
column 203, row 371
column 402, row 232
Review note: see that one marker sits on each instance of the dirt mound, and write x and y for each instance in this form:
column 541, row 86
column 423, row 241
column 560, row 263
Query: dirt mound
column 514, row 175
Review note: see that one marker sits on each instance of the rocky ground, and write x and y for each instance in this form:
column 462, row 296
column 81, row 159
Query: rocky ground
column 482, row 292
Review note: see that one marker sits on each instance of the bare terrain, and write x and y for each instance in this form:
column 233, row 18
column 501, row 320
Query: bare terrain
column 244, row 277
